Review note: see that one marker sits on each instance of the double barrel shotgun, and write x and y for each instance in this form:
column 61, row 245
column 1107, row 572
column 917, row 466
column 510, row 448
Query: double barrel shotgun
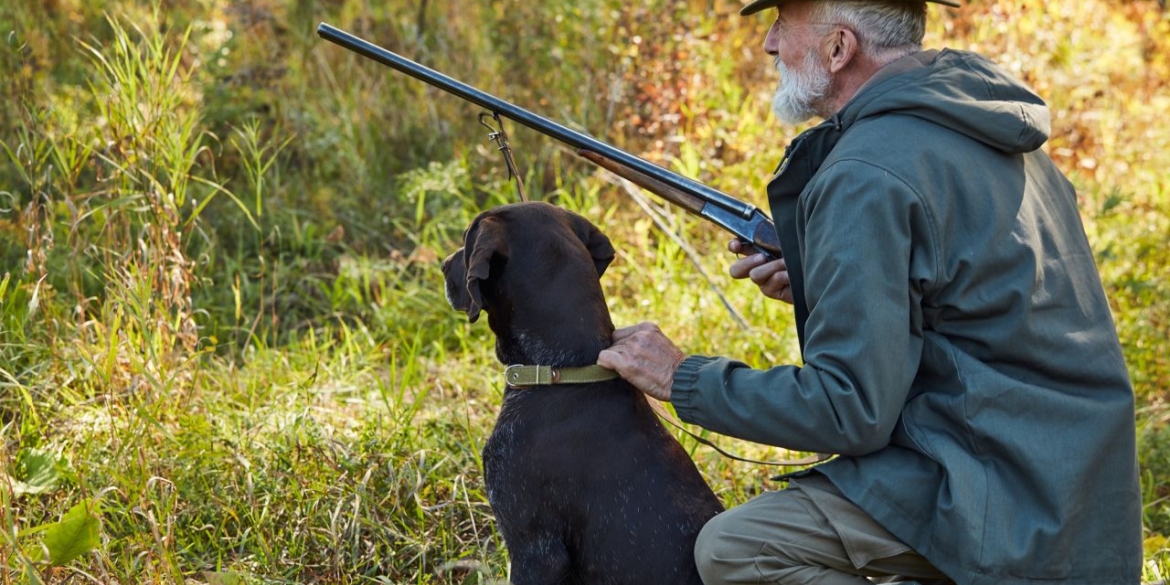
column 742, row 219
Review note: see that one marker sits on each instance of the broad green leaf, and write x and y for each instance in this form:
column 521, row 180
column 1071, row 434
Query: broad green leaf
column 36, row 472
column 75, row 535
column 223, row 578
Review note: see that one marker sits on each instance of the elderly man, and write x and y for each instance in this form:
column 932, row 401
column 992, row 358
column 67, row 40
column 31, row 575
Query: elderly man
column 959, row 355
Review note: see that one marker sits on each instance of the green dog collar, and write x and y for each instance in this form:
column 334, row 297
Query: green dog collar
column 517, row 375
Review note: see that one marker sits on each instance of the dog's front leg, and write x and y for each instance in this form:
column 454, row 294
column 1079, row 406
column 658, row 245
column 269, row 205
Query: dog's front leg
column 541, row 562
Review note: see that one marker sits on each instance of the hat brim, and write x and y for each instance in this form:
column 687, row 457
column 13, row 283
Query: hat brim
column 761, row 5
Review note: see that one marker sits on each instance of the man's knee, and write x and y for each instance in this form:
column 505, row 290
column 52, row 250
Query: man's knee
column 718, row 552
column 777, row 537
column 787, row 537
column 709, row 550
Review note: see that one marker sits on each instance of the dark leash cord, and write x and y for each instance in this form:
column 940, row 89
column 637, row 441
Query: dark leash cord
column 669, row 418
column 500, row 137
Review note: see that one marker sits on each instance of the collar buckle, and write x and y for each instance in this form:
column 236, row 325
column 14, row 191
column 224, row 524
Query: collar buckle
column 519, row 376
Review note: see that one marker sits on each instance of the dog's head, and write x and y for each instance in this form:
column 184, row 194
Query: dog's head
column 530, row 266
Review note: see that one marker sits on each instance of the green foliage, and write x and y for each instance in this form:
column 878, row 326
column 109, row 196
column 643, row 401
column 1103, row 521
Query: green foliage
column 36, row 471
column 74, row 535
column 221, row 311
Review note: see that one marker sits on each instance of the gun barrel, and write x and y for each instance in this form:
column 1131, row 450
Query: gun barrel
column 531, row 120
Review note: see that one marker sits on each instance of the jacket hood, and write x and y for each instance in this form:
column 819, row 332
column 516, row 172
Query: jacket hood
column 961, row 91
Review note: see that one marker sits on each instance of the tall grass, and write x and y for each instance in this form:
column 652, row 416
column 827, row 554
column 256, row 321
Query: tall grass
column 225, row 354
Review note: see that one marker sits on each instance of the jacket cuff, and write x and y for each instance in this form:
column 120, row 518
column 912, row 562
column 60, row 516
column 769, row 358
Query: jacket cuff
column 684, row 391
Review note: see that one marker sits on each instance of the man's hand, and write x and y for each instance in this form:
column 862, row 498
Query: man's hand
column 771, row 277
column 644, row 357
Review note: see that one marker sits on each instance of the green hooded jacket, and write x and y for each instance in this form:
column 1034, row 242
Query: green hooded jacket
column 959, row 353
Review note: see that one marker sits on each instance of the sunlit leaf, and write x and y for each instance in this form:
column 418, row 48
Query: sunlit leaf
column 224, row 578
column 76, row 534
column 37, row 471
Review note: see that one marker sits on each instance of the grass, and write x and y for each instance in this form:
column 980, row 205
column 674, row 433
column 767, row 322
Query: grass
column 225, row 354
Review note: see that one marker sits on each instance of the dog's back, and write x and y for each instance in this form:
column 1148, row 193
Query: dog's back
column 586, row 484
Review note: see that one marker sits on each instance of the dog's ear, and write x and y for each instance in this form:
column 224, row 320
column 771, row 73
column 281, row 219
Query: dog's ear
column 596, row 242
column 484, row 241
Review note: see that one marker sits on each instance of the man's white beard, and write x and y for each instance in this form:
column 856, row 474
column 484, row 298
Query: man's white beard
column 800, row 90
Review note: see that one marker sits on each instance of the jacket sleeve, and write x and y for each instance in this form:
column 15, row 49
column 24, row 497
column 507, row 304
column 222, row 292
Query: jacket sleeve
column 867, row 251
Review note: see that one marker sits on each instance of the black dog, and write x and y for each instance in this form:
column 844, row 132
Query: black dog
column 586, row 484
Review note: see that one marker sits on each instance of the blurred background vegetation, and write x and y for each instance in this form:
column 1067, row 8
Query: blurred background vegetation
column 225, row 355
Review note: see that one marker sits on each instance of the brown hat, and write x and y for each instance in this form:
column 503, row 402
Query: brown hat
column 760, row 5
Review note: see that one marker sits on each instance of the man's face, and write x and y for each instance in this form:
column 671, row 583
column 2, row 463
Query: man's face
column 804, row 79
column 802, row 89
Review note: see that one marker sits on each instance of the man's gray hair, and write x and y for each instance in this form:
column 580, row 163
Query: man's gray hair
column 887, row 29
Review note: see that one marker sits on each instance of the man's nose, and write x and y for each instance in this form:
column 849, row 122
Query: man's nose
column 772, row 40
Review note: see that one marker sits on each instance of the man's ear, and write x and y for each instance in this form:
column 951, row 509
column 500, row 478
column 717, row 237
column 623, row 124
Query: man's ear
column 596, row 242
column 841, row 47
column 484, row 241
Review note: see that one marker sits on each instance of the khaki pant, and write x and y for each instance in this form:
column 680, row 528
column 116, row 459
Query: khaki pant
column 804, row 535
